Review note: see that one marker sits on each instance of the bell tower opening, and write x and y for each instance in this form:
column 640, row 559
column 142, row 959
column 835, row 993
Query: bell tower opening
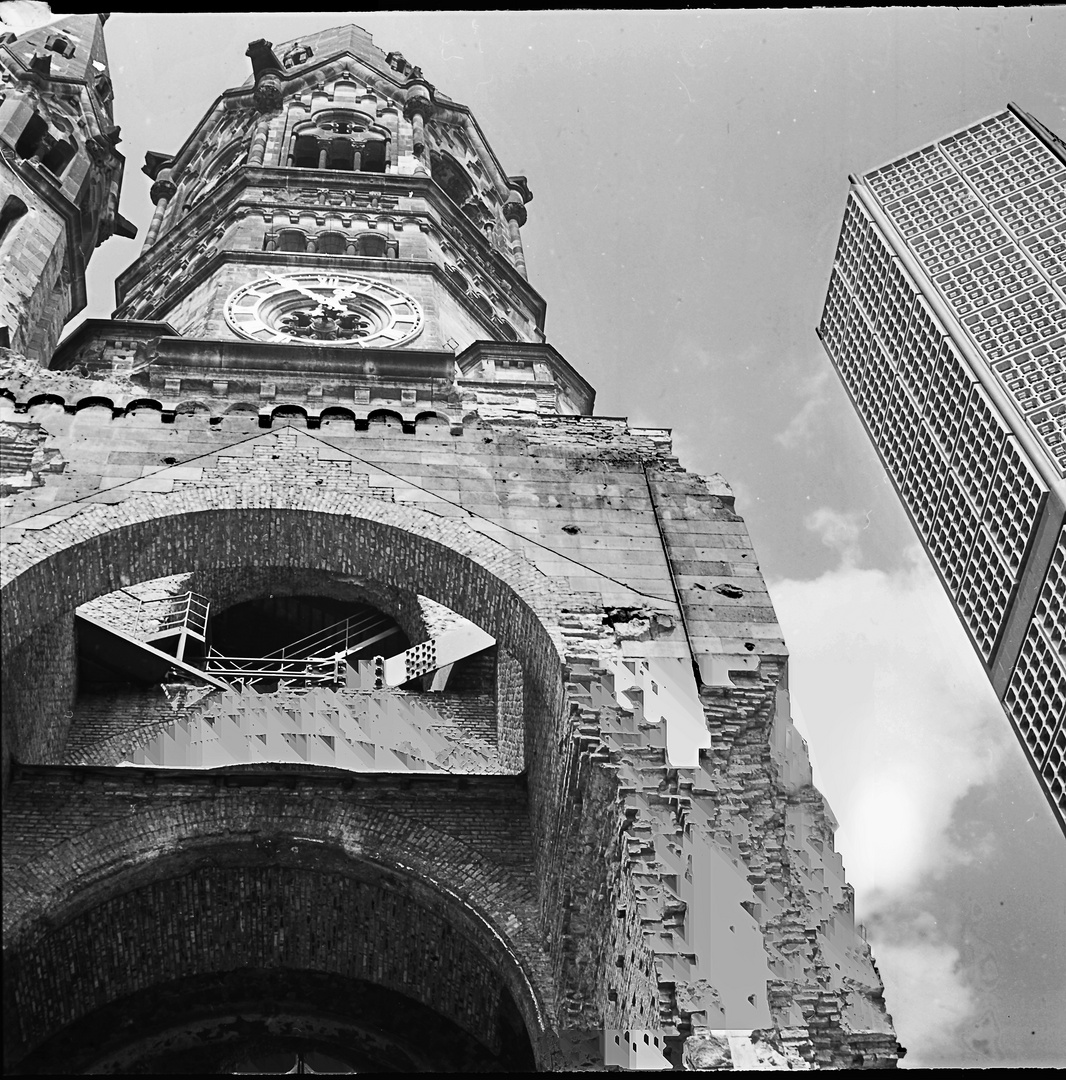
column 273, row 624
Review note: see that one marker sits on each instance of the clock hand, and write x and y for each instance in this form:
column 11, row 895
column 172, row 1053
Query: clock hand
column 288, row 283
column 347, row 292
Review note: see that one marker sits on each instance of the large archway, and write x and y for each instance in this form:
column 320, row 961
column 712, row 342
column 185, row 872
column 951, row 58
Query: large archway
column 106, row 546
column 83, row 875
column 225, row 951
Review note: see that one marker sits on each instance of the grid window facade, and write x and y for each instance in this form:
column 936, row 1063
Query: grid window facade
column 835, row 314
column 1036, row 696
column 952, row 536
column 984, row 594
column 910, row 174
column 926, row 473
column 854, row 349
column 1015, row 498
column 986, row 140
column 1018, row 167
column 918, row 361
column 1034, row 207
column 900, row 429
column 1035, row 377
column 935, row 206
column 967, row 237
column 977, row 450
column 987, row 279
column 1047, row 248
column 876, row 389
column 1017, row 323
column 949, row 390
column 1051, row 605
column 894, row 313
column 870, row 278
column 1050, row 427
column 988, row 225
column 918, row 345
column 854, row 235
column 1054, row 770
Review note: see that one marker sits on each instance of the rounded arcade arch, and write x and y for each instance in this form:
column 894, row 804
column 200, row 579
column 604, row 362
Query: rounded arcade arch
column 185, row 963
column 148, row 536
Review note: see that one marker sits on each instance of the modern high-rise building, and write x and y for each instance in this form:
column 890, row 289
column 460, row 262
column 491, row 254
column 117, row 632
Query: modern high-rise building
column 369, row 703
column 946, row 322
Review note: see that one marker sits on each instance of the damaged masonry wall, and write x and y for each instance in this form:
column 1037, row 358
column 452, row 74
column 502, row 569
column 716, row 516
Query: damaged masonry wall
column 695, row 894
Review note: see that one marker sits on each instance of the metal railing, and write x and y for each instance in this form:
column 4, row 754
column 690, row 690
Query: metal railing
column 316, row 659
column 188, row 613
column 252, row 669
column 340, row 639
column 185, row 618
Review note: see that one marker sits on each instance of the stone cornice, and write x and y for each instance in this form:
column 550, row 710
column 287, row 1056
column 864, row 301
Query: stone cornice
column 563, row 374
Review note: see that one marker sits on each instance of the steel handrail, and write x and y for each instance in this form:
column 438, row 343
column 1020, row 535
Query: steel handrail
column 188, row 612
column 308, row 669
column 342, row 644
column 322, row 639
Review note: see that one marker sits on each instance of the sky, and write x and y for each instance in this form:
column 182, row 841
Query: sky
column 689, row 172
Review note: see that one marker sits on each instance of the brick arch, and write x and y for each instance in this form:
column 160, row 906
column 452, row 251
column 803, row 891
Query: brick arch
column 296, row 909
column 152, row 535
column 148, row 535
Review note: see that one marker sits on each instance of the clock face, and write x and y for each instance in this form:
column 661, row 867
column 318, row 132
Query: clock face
column 309, row 308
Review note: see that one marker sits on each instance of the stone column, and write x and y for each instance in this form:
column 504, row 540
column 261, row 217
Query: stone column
column 158, row 168
column 257, row 151
column 391, row 120
column 514, row 211
column 418, row 108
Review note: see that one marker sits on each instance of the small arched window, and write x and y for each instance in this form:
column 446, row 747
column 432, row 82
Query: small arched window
column 332, row 243
column 374, row 156
column 32, row 135
column 452, row 178
column 305, row 152
column 59, row 44
column 291, row 240
column 340, row 155
column 371, row 245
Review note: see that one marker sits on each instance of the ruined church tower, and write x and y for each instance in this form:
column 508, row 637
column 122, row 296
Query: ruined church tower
column 369, row 703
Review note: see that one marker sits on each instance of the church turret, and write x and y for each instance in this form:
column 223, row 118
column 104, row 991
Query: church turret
column 337, row 200
column 60, row 171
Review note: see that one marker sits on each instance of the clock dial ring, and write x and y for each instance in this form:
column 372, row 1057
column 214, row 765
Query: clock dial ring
column 320, row 308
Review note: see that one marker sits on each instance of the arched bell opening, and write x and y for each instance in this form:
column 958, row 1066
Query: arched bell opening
column 250, row 665
column 452, row 178
column 276, row 624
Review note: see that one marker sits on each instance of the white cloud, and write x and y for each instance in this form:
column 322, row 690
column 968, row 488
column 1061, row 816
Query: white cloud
column 927, row 993
column 812, row 390
column 903, row 724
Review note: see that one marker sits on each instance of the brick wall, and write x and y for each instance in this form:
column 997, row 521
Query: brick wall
column 39, row 685
column 468, row 838
column 510, row 710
